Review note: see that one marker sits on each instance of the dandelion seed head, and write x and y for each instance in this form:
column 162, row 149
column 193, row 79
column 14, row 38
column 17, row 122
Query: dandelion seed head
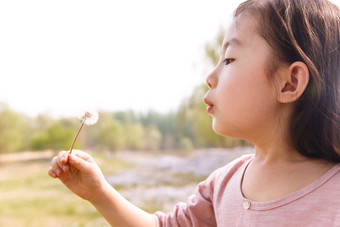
column 89, row 117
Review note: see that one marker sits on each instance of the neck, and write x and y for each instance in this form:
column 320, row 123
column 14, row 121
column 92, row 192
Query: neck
column 278, row 154
column 277, row 149
column 273, row 143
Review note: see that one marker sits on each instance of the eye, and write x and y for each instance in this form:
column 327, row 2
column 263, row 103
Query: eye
column 227, row 61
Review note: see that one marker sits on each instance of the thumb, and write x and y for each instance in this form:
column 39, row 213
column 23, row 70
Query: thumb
column 79, row 163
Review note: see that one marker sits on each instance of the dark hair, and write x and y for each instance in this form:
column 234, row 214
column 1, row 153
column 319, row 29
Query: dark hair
column 307, row 31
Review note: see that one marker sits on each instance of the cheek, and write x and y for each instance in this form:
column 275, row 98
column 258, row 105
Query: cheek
column 233, row 106
column 245, row 86
column 235, row 89
column 244, row 102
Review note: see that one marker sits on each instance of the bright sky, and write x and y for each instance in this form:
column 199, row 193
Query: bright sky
column 57, row 57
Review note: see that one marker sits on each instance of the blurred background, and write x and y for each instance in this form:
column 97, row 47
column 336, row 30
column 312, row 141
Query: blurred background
column 142, row 65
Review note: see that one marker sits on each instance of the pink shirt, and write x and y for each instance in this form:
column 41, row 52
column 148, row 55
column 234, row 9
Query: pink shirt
column 218, row 201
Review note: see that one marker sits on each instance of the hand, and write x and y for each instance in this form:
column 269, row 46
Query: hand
column 85, row 180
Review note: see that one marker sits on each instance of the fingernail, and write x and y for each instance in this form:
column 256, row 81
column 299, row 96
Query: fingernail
column 64, row 168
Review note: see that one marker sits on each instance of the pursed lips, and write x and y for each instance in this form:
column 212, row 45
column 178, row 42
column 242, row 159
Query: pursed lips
column 210, row 105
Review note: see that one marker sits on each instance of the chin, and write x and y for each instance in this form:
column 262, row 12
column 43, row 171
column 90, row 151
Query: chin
column 218, row 129
column 225, row 131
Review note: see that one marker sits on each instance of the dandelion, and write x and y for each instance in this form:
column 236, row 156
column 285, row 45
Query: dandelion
column 87, row 118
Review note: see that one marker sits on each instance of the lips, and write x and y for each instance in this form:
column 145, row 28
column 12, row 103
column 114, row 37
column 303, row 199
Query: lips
column 210, row 106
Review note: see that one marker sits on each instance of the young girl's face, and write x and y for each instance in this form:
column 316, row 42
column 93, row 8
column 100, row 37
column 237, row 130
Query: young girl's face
column 241, row 100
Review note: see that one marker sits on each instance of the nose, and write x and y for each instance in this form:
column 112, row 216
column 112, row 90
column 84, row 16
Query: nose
column 211, row 79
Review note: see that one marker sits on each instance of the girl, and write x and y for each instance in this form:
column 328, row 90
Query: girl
column 277, row 86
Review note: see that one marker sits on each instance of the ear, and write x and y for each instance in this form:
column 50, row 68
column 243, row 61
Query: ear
column 293, row 82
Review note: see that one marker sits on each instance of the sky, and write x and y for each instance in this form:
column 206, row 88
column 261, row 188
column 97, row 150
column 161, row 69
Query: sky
column 60, row 57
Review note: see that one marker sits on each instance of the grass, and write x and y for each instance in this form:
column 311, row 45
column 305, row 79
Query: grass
column 29, row 197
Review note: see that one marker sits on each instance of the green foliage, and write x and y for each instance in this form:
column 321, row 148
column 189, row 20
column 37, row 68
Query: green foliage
column 56, row 137
column 111, row 136
column 126, row 118
column 153, row 138
column 11, row 126
column 135, row 134
column 185, row 144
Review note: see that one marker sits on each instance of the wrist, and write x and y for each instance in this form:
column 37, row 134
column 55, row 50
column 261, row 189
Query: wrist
column 102, row 194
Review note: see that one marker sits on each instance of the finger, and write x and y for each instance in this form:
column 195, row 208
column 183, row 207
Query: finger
column 79, row 163
column 63, row 158
column 55, row 166
column 52, row 173
column 83, row 155
column 54, row 162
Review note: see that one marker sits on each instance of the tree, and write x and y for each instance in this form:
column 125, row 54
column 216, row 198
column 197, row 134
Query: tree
column 11, row 138
column 135, row 135
column 56, row 137
column 153, row 138
column 111, row 136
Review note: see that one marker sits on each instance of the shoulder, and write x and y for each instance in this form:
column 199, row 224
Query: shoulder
column 231, row 168
column 225, row 173
column 199, row 209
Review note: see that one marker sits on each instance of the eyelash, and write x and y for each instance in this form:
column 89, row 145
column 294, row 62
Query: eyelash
column 227, row 61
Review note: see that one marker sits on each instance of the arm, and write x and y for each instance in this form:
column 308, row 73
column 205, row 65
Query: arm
column 88, row 182
column 120, row 212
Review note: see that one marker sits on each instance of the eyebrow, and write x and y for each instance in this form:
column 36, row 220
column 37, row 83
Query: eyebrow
column 233, row 41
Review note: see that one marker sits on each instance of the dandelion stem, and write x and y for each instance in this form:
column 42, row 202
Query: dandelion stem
column 74, row 141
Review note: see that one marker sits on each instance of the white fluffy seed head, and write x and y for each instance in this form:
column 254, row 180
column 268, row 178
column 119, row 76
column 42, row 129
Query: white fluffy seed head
column 89, row 117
